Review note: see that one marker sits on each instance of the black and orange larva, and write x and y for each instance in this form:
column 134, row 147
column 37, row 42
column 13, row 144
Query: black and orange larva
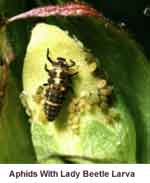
column 59, row 77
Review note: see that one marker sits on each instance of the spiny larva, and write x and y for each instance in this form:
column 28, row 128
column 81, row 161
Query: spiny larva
column 59, row 79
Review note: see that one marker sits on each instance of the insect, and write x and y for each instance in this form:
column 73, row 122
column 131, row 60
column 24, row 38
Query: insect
column 59, row 79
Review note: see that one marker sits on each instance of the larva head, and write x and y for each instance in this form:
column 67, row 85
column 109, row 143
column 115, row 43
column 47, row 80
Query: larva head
column 60, row 63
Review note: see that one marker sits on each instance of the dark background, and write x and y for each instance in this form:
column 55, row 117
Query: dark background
column 131, row 13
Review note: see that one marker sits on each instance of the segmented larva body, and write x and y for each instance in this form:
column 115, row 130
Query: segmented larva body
column 59, row 78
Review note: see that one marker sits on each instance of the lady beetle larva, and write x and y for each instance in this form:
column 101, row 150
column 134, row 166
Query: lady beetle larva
column 59, row 77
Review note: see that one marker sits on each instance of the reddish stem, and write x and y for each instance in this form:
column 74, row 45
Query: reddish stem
column 71, row 9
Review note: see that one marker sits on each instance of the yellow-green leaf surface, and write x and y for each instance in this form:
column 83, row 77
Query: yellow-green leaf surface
column 98, row 136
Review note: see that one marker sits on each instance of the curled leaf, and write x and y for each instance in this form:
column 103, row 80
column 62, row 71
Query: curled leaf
column 16, row 145
column 89, row 128
column 15, row 141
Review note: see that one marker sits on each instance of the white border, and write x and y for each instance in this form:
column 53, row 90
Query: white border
column 142, row 173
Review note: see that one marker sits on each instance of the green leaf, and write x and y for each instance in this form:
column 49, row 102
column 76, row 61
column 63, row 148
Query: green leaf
column 15, row 141
column 127, row 67
column 15, row 137
column 82, row 132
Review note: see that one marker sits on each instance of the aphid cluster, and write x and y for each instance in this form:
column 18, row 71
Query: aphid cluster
column 59, row 79
column 76, row 107
column 105, row 94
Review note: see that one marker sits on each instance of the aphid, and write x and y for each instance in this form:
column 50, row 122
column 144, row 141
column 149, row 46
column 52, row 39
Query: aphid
column 59, row 79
